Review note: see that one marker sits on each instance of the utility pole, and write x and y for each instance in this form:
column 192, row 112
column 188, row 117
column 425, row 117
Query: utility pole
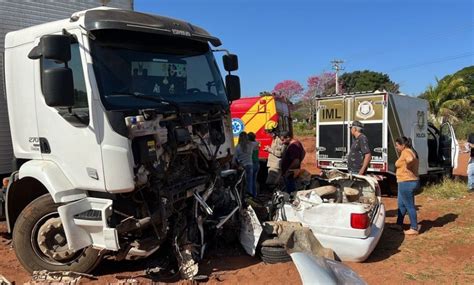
column 336, row 65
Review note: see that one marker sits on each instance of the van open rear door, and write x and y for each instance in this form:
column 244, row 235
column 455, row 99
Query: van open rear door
column 370, row 109
column 448, row 146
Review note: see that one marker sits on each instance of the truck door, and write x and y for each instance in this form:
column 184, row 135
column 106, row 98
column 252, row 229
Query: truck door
column 69, row 137
column 448, row 146
column 370, row 110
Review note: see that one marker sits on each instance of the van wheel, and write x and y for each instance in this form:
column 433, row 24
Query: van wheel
column 274, row 254
column 40, row 242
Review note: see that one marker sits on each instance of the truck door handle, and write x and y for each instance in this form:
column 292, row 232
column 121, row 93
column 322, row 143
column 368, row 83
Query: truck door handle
column 44, row 145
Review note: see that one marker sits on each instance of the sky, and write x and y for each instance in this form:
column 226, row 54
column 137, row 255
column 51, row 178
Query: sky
column 413, row 41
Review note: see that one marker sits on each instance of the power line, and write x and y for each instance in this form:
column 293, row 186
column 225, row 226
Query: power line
column 447, row 58
column 421, row 39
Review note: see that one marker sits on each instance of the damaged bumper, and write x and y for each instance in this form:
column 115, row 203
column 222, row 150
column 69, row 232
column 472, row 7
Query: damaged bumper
column 354, row 249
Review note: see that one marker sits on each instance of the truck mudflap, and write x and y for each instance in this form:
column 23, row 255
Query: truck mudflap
column 85, row 224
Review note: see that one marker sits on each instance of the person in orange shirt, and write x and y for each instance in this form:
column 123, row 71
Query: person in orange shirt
column 408, row 183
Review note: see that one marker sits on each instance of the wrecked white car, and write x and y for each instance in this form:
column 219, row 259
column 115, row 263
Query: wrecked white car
column 346, row 214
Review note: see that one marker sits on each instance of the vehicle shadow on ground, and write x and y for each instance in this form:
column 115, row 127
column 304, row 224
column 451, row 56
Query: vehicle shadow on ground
column 391, row 239
column 227, row 258
column 210, row 266
column 388, row 245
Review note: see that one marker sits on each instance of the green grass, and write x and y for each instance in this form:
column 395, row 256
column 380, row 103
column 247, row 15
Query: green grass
column 303, row 129
column 447, row 188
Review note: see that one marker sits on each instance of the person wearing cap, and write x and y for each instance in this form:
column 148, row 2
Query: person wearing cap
column 275, row 153
column 359, row 155
column 291, row 160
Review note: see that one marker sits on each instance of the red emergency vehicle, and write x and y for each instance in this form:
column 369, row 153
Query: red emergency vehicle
column 258, row 114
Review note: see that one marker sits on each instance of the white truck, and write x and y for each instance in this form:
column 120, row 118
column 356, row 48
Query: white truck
column 16, row 15
column 386, row 117
column 121, row 132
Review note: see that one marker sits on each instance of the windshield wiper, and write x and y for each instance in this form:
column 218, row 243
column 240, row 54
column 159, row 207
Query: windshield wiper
column 152, row 98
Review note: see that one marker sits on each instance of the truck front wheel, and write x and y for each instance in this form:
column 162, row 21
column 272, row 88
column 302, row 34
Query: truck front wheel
column 40, row 242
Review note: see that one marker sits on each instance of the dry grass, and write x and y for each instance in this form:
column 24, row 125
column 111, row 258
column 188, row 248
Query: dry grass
column 447, row 188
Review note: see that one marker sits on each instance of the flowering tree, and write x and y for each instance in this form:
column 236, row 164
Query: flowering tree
column 318, row 85
column 288, row 89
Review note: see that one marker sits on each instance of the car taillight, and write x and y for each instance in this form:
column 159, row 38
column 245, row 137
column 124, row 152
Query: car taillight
column 378, row 166
column 324, row 163
column 359, row 221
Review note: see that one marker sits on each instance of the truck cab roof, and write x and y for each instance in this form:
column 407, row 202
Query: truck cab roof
column 105, row 18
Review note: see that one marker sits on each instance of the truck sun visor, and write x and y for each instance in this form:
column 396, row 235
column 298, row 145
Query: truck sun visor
column 134, row 21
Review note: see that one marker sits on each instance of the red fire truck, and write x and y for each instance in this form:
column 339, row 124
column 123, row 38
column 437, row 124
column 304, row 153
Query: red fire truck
column 258, row 114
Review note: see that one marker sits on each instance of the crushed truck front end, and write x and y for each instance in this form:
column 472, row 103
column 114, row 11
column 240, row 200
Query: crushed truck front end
column 122, row 131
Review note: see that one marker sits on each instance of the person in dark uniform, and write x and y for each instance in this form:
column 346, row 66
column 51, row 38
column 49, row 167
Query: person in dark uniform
column 291, row 160
column 359, row 155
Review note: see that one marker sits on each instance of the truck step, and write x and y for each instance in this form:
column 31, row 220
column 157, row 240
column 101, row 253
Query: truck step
column 90, row 215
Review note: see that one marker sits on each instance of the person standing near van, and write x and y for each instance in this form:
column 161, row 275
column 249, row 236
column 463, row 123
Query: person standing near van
column 408, row 182
column 359, row 155
column 275, row 153
column 292, row 159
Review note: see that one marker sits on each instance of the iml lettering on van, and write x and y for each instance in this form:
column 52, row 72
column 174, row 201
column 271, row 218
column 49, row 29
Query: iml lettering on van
column 331, row 114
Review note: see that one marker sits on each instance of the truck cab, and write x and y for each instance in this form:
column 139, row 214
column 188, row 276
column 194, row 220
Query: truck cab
column 121, row 132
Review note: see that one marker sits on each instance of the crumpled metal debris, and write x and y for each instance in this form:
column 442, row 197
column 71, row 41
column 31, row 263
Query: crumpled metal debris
column 250, row 230
column 189, row 268
column 4, row 280
column 295, row 238
column 58, row 277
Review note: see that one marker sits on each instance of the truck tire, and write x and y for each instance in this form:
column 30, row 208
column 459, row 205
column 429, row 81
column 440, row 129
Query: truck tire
column 272, row 255
column 40, row 243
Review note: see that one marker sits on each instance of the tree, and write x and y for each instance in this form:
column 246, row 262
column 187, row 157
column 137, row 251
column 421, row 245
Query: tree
column 467, row 74
column 266, row 93
column 448, row 100
column 366, row 80
column 317, row 87
column 288, row 89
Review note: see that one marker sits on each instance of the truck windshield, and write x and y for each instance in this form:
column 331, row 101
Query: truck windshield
column 170, row 69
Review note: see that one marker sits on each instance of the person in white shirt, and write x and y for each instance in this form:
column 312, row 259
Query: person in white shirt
column 275, row 153
column 243, row 158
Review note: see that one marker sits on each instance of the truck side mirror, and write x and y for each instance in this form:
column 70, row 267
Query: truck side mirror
column 231, row 62
column 58, row 87
column 232, row 84
column 55, row 47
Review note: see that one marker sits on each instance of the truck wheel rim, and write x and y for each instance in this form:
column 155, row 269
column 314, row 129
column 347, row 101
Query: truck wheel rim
column 49, row 241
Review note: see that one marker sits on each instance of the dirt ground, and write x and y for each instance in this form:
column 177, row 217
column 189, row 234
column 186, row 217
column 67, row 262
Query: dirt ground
column 442, row 254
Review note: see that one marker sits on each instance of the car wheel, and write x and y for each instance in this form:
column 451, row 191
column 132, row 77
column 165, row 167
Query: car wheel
column 274, row 255
column 40, row 242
